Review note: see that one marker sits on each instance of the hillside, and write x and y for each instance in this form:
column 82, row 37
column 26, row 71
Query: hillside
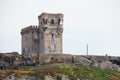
column 59, row 71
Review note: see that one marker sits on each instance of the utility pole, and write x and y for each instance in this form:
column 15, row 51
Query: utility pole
column 87, row 49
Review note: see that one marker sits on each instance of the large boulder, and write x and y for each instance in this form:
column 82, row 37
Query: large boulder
column 80, row 60
column 109, row 66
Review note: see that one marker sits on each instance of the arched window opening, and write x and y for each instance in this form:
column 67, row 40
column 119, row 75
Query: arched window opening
column 52, row 21
column 52, row 35
column 43, row 20
column 59, row 21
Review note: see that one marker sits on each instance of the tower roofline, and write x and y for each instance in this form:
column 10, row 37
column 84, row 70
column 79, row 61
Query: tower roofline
column 29, row 29
column 59, row 15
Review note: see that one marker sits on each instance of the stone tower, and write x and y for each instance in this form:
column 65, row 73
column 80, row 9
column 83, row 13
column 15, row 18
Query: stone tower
column 44, row 38
column 51, row 28
column 30, row 40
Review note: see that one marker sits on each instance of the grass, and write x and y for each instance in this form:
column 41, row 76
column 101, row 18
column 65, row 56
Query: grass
column 91, row 73
column 72, row 71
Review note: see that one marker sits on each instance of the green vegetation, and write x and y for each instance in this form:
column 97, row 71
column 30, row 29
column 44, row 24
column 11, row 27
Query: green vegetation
column 72, row 71
column 91, row 73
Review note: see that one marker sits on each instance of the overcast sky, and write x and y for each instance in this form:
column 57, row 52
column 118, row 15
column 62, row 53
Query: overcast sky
column 96, row 22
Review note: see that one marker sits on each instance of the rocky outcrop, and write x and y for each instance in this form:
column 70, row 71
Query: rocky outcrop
column 109, row 66
column 64, row 58
column 15, row 61
column 27, row 77
column 80, row 60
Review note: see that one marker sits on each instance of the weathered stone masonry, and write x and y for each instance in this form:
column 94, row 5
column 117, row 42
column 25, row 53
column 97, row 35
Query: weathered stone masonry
column 44, row 38
column 30, row 40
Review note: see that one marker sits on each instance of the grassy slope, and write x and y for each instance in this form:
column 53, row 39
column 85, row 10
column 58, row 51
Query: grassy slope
column 74, row 72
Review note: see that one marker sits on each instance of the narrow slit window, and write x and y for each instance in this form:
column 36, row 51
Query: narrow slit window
column 52, row 36
column 59, row 21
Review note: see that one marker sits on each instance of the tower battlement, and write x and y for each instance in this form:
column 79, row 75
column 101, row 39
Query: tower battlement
column 29, row 29
column 48, row 19
column 49, row 15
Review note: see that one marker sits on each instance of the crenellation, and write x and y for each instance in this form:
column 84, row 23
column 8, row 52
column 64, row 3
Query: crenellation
column 29, row 29
column 50, row 19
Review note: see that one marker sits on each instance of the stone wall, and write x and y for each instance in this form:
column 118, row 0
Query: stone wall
column 30, row 40
column 64, row 58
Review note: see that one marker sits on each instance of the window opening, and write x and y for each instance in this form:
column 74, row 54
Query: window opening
column 58, row 21
column 52, row 35
column 52, row 21
column 43, row 20
column 52, row 48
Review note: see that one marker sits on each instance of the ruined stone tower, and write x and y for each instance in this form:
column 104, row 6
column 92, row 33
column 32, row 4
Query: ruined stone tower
column 30, row 39
column 51, row 28
column 44, row 38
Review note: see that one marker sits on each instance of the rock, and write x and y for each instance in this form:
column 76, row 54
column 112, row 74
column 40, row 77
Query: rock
column 51, row 58
column 57, row 77
column 79, row 60
column 105, row 65
column 109, row 66
column 64, row 77
column 65, row 58
column 49, row 78
column 114, row 67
